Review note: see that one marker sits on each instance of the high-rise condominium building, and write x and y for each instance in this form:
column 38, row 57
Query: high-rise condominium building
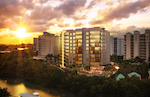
column 47, row 44
column 89, row 46
column 116, row 46
column 137, row 45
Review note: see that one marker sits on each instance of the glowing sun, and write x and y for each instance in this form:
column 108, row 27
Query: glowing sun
column 22, row 33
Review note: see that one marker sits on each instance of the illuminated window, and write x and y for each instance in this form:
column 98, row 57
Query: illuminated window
column 92, row 60
column 70, row 44
column 79, row 55
column 66, row 50
column 79, row 40
column 70, row 48
column 66, row 47
column 67, row 33
column 78, row 37
column 66, row 40
column 97, row 36
column 92, row 44
column 74, row 48
column 92, row 56
column 87, row 41
column 78, row 32
column 87, row 52
column 73, row 41
column 74, row 38
column 71, row 51
column 91, row 52
column 95, row 32
column 87, row 33
column 70, row 34
column 79, row 44
column 74, row 34
column 70, row 41
column 87, row 56
column 74, row 52
column 66, row 37
column 92, row 36
column 87, row 45
column 97, row 48
column 87, row 37
column 87, row 48
column 70, row 37
column 66, row 43
column 74, row 44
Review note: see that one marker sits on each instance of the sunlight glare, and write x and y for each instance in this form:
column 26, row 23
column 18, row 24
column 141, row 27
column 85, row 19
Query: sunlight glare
column 22, row 33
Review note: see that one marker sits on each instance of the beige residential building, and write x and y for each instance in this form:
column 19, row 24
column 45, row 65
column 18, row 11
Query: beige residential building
column 47, row 44
column 137, row 45
column 116, row 46
column 89, row 46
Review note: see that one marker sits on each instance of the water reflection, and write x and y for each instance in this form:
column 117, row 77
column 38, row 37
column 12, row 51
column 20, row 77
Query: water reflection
column 17, row 86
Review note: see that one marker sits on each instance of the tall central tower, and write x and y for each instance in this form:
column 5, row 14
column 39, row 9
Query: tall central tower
column 89, row 46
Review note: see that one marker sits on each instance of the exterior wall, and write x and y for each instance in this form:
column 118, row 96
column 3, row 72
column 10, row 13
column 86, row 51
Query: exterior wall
column 111, row 45
column 36, row 44
column 136, row 43
column 128, row 46
column 89, row 46
column 121, row 46
column 57, row 45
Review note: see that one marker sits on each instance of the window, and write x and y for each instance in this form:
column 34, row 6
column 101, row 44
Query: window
column 87, row 52
column 74, row 48
column 87, row 48
column 78, row 32
column 70, row 34
column 87, row 41
column 70, row 44
column 87, row 37
column 73, row 41
column 87, row 33
column 70, row 41
column 70, row 37
column 74, row 52
column 87, row 56
column 78, row 37
column 87, row 45
column 91, row 52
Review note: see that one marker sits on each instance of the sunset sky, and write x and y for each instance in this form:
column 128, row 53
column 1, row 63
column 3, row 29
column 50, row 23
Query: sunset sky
column 37, row 16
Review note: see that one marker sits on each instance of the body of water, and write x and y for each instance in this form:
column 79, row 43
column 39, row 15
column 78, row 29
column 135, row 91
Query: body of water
column 17, row 86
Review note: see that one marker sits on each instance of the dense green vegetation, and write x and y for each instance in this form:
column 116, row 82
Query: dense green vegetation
column 132, row 65
column 19, row 64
